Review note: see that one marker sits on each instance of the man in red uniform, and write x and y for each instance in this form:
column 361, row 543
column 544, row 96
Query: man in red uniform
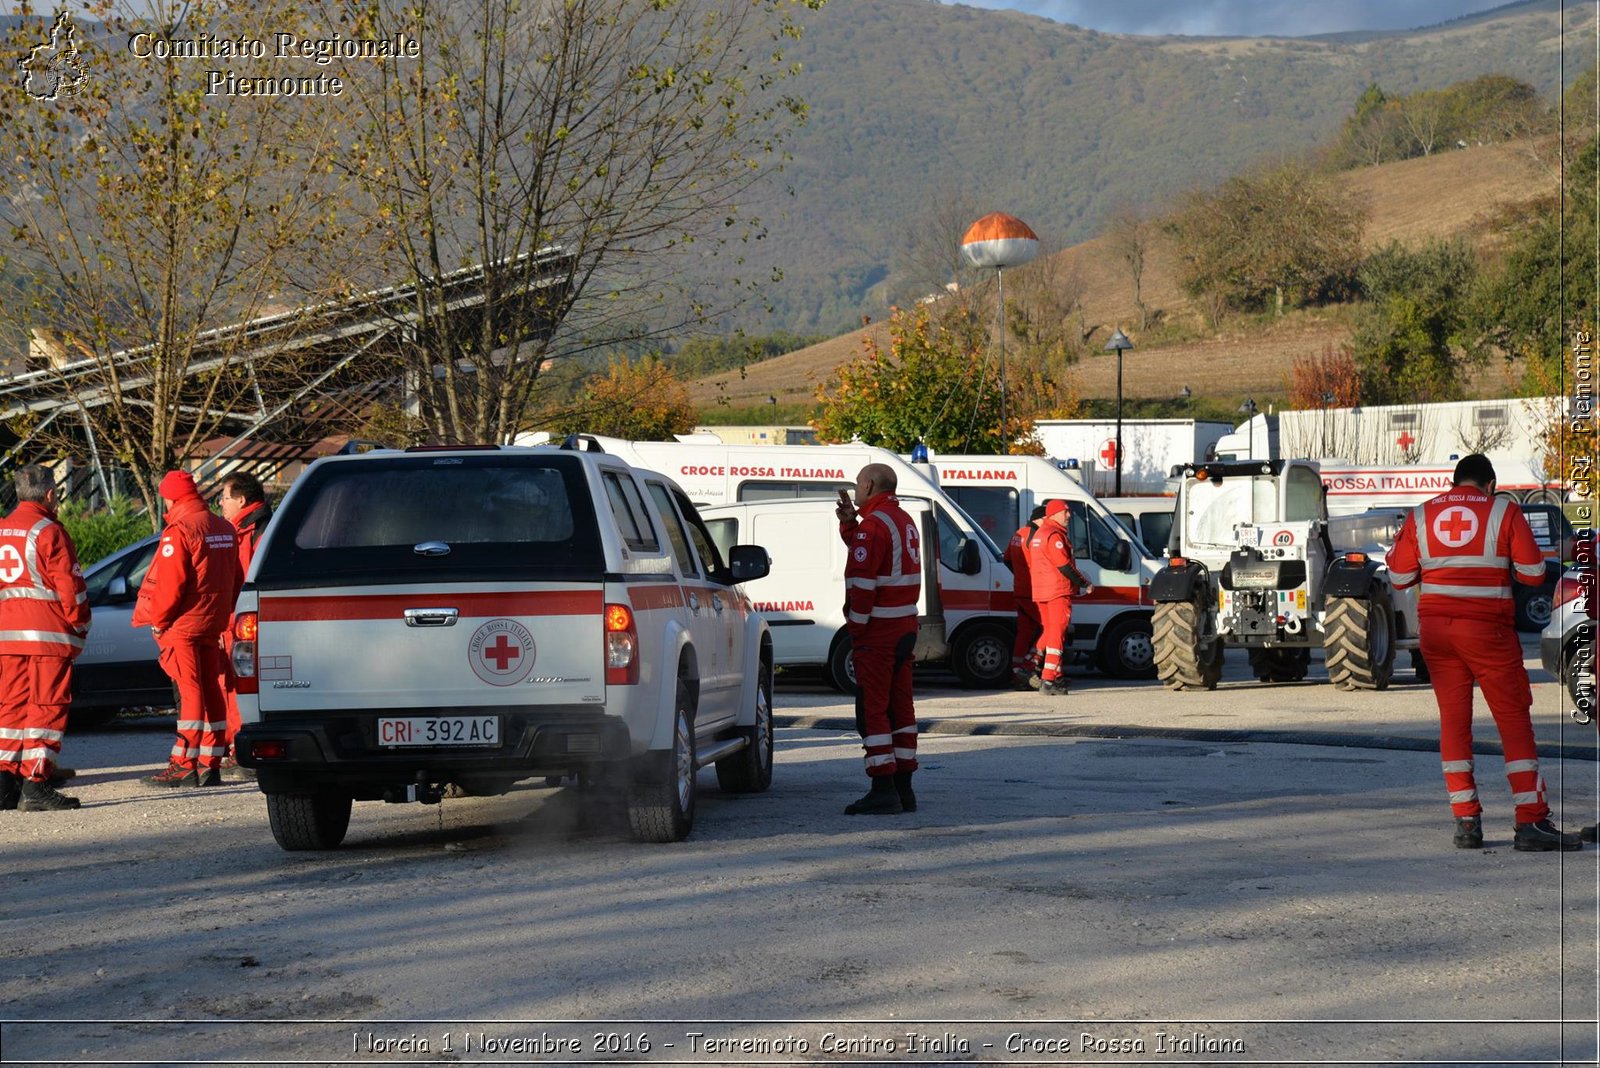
column 244, row 504
column 186, row 601
column 1025, row 655
column 1465, row 547
column 882, row 578
column 1055, row 577
column 44, row 618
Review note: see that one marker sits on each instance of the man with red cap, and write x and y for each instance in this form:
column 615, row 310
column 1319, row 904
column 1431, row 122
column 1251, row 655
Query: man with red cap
column 1055, row 578
column 44, row 618
column 1025, row 649
column 882, row 578
column 186, row 601
column 1465, row 547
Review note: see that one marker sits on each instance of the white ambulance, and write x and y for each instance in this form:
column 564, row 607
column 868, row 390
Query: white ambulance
column 974, row 586
column 1113, row 623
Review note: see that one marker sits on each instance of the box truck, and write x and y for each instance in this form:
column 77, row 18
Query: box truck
column 1151, row 448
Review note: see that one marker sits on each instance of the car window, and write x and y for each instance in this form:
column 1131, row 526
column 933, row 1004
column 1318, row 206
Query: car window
column 493, row 515
column 130, row 565
column 704, row 544
column 1155, row 529
column 724, row 534
column 675, row 532
column 1091, row 536
column 994, row 508
column 628, row 508
column 792, row 491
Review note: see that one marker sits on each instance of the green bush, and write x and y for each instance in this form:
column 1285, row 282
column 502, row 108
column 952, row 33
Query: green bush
column 100, row 533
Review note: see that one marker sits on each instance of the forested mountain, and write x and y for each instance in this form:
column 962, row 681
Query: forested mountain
column 915, row 104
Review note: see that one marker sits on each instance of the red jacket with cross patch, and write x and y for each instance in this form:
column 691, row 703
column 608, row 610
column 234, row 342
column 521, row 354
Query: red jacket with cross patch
column 1055, row 572
column 194, row 578
column 1465, row 548
column 882, row 571
column 1016, row 558
column 43, row 608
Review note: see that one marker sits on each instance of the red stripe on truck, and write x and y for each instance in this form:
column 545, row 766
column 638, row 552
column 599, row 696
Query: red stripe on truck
column 394, row 605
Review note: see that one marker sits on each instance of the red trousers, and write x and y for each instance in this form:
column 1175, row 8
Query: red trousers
column 1460, row 652
column 195, row 666
column 886, row 716
column 1025, row 650
column 34, row 694
column 1055, row 615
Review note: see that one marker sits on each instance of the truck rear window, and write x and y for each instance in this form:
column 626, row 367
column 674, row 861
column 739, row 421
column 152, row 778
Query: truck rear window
column 425, row 516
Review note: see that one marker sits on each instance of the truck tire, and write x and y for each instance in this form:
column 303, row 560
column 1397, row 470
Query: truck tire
column 1126, row 650
column 309, row 821
column 1358, row 641
column 841, row 667
column 1533, row 610
column 749, row 771
column 1181, row 662
column 661, row 796
column 981, row 656
column 1280, row 665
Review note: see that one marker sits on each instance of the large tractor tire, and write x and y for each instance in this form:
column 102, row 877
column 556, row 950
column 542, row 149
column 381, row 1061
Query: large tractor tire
column 1182, row 662
column 1358, row 641
column 1280, row 665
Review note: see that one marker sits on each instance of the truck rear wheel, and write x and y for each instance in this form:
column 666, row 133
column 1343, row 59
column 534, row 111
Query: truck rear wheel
column 309, row 821
column 1182, row 662
column 1280, row 665
column 661, row 797
column 841, row 666
column 1358, row 641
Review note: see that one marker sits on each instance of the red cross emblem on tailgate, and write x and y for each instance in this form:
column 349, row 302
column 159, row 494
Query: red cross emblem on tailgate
column 502, row 652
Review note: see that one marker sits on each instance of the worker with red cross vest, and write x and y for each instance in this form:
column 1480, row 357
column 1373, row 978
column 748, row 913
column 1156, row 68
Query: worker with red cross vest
column 187, row 602
column 1025, row 654
column 243, row 502
column 1055, row 578
column 44, row 619
column 882, row 578
column 1465, row 547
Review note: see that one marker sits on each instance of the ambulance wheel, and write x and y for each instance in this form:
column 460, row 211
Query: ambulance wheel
column 1280, row 665
column 309, row 821
column 661, row 796
column 1127, row 651
column 981, row 656
column 1533, row 610
column 841, row 666
column 1183, row 662
column 749, row 771
column 1358, row 641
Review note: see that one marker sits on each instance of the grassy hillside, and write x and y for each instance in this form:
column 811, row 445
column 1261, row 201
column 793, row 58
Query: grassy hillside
column 1410, row 202
column 914, row 101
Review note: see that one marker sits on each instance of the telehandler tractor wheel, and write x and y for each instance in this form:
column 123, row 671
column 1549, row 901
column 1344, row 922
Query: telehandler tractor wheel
column 1358, row 641
column 1185, row 659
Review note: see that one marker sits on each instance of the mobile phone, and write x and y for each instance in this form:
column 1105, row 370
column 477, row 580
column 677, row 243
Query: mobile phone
column 844, row 498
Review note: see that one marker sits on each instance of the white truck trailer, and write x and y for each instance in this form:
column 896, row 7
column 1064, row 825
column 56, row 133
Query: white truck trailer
column 1151, row 448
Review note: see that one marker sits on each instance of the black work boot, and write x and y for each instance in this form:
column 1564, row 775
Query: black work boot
column 902, row 786
column 10, row 791
column 1588, row 834
column 1544, row 837
column 881, row 800
column 42, row 797
column 1054, row 688
column 1469, row 832
column 208, row 776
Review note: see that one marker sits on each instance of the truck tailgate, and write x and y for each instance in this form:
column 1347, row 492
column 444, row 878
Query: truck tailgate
column 414, row 647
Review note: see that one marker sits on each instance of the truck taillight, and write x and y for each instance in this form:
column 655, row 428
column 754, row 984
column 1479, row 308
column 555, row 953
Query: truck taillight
column 1567, row 589
column 245, row 632
column 622, row 646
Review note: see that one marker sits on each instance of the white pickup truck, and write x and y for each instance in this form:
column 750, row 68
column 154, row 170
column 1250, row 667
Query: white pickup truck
column 478, row 616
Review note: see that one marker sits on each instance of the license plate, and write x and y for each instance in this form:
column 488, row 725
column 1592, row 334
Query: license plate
column 438, row 730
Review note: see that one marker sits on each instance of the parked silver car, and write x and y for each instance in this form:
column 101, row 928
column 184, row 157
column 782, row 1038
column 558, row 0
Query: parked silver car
column 1566, row 646
column 119, row 667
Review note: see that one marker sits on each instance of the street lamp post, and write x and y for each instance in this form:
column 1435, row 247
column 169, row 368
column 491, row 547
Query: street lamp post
column 1250, row 409
column 1119, row 344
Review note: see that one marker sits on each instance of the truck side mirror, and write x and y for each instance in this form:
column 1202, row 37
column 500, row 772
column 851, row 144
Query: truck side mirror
column 968, row 562
column 117, row 590
column 749, row 562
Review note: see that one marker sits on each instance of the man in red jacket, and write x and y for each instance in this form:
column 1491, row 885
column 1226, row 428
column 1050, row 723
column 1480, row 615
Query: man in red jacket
column 186, row 601
column 1055, row 577
column 1025, row 654
column 1465, row 547
column 882, row 578
column 244, row 504
column 44, row 618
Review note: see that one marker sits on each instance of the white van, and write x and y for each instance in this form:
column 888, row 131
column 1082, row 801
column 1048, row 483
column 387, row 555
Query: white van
column 1148, row 517
column 974, row 585
column 803, row 597
column 1113, row 623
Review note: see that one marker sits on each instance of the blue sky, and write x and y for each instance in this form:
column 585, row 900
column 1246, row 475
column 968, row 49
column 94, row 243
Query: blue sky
column 1243, row 18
